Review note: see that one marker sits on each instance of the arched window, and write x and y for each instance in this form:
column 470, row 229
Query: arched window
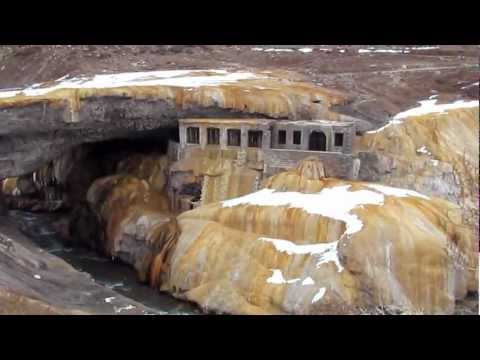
column 318, row 141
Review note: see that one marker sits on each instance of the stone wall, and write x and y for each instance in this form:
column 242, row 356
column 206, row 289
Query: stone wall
column 336, row 165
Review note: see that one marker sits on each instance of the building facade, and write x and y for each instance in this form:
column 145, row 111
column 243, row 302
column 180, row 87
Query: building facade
column 312, row 135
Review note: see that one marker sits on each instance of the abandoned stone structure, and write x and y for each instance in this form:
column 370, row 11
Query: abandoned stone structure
column 261, row 147
column 313, row 135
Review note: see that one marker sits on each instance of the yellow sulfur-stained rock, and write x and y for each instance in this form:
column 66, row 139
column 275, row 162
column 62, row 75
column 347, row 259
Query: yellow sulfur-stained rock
column 435, row 152
column 311, row 245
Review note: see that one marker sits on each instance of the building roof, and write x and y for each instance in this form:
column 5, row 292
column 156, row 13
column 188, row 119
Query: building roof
column 227, row 121
column 315, row 122
column 253, row 122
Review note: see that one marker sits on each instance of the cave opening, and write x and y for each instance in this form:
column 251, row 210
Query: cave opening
column 62, row 183
column 74, row 232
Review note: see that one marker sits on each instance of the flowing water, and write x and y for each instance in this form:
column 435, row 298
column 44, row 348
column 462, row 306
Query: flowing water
column 112, row 274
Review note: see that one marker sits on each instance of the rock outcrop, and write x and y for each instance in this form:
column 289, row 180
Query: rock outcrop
column 311, row 245
column 42, row 121
column 432, row 149
column 135, row 217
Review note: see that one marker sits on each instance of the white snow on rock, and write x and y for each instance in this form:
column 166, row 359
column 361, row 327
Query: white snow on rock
column 177, row 78
column 424, row 48
column 308, row 281
column 256, row 49
column 326, row 252
column 431, row 106
column 392, row 51
column 109, row 299
column 36, row 276
column 391, row 191
column 120, row 309
column 469, row 86
column 335, row 202
column 277, row 278
column 305, row 50
column 319, row 295
column 278, row 50
column 427, row 107
column 423, row 150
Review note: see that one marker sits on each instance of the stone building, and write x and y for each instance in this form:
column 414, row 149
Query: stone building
column 312, row 135
column 261, row 147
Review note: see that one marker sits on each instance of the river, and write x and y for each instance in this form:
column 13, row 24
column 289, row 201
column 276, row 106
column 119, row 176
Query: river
column 114, row 275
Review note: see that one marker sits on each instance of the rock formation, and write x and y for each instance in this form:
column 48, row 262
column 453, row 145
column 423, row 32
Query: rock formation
column 42, row 121
column 432, row 149
column 304, row 244
column 135, row 217
column 311, row 245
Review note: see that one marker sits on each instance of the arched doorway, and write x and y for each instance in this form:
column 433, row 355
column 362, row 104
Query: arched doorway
column 318, row 141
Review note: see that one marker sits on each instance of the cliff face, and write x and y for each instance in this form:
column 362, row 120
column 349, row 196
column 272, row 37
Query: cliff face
column 309, row 245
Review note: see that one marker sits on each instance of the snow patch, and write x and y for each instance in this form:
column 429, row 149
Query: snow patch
column 469, row 86
column 427, row 107
column 323, row 252
column 120, row 309
column 424, row 48
column 36, row 276
column 305, row 50
column 277, row 278
column 109, row 299
column 177, row 78
column 423, row 150
column 319, row 295
column 278, row 50
column 391, row 191
column 431, row 106
column 308, row 281
column 335, row 202
column 392, row 51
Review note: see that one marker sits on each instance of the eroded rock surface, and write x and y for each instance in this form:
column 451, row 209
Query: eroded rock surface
column 136, row 220
column 310, row 245
column 431, row 150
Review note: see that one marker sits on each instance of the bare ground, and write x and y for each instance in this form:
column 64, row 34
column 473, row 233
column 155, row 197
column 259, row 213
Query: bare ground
column 378, row 84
